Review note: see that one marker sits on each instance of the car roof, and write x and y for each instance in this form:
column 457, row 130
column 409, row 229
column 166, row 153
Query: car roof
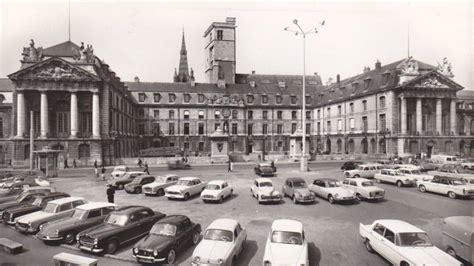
column 53, row 194
column 120, row 166
column 95, row 205
column 135, row 172
column 173, row 219
column 217, row 182
column 168, row 175
column 66, row 199
column 130, row 209
column 261, row 179
column 326, row 179
column 264, row 164
column 288, row 225
column 464, row 223
column 188, row 178
column 37, row 188
column 223, row 223
column 295, row 179
column 359, row 179
column 398, row 226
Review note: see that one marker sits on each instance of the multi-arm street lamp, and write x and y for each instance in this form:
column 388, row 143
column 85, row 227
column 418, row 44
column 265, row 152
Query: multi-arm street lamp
column 300, row 31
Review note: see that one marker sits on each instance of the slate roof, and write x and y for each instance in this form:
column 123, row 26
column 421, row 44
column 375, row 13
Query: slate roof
column 275, row 79
column 65, row 49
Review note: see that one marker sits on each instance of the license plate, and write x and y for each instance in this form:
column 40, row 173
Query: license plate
column 144, row 260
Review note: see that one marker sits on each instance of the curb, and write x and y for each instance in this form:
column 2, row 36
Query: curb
column 119, row 258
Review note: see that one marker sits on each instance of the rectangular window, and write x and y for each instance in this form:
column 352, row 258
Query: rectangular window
column 187, row 97
column 364, row 105
column 308, row 99
column 141, row 98
column 186, row 146
column 328, row 112
column 141, row 129
column 86, row 122
column 249, row 129
column 351, row 107
column 171, row 144
column 62, row 119
column 171, row 114
column 250, row 114
column 294, row 115
column 328, row 129
column 339, row 110
column 201, row 114
column 339, row 125
column 308, row 129
column 156, row 97
column 424, row 123
column 264, row 99
column 1, row 127
column 186, row 129
column 264, row 129
column 382, row 101
column 201, row 129
column 383, row 122
column 217, row 114
column 294, row 100
column 156, row 114
column 171, row 97
column 280, row 129
column 234, row 128
column 171, row 129
column 265, row 115
column 278, row 99
column 293, row 128
column 279, row 114
column 186, row 115
column 318, row 129
column 201, row 98
column 156, row 129
column 220, row 35
column 141, row 113
column 365, row 124
column 308, row 114
column 201, row 146
column 352, row 123
column 319, row 114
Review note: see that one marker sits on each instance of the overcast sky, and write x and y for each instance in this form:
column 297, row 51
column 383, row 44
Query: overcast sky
column 143, row 38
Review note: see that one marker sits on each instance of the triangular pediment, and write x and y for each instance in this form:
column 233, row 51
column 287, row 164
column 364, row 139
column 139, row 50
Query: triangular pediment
column 54, row 69
column 433, row 80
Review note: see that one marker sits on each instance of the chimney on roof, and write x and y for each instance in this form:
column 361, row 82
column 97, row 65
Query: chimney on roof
column 230, row 20
column 366, row 69
column 315, row 73
column 338, row 78
column 378, row 65
column 221, row 83
column 253, row 72
column 137, row 80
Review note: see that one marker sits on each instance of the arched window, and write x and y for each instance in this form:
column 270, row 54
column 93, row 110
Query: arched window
column 449, row 147
column 84, row 151
column 364, row 146
column 373, row 146
column 382, row 148
column 351, row 146
column 339, row 145
column 217, row 114
column 26, row 150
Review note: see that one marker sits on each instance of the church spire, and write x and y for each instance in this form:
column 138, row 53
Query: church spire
column 183, row 69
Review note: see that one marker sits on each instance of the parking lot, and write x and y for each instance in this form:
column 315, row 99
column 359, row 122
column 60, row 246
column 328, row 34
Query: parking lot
column 331, row 230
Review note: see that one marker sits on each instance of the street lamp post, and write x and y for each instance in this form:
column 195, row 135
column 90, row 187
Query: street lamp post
column 300, row 31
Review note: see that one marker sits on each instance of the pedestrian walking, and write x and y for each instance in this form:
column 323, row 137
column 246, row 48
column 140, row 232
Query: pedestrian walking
column 139, row 163
column 95, row 164
column 65, row 164
column 103, row 173
column 229, row 167
column 74, row 164
column 146, row 169
column 110, row 193
column 96, row 170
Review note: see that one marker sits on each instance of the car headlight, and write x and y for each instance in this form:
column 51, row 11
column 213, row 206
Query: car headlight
column 56, row 233
column 267, row 263
column 407, row 180
column 96, row 241
column 371, row 194
column 220, row 261
column 197, row 259
column 336, row 195
column 155, row 252
column 77, row 237
column 40, row 227
column 135, row 250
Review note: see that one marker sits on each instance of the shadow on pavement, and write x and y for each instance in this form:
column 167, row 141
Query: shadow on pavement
column 248, row 253
column 314, row 254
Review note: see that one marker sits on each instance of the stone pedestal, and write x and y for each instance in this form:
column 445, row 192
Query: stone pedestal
column 219, row 146
column 296, row 145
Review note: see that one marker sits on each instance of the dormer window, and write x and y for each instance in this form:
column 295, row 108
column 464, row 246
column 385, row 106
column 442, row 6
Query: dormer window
column 265, row 81
column 355, row 87
column 264, row 99
column 171, row 97
column 367, row 82
column 385, row 78
column 250, row 98
column 308, row 99
column 201, row 98
column 252, row 84
column 342, row 90
column 156, row 97
column 278, row 99
column 187, row 97
column 141, row 97
column 293, row 99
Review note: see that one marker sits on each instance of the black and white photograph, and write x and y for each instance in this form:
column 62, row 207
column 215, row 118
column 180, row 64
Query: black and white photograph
column 237, row 132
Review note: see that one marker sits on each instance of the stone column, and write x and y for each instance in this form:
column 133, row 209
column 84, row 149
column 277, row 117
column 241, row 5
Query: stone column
column 20, row 115
column 419, row 116
column 95, row 115
column 439, row 115
column 74, row 114
column 453, row 117
column 403, row 116
column 44, row 115
column 467, row 125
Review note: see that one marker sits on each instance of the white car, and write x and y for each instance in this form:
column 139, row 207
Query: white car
column 467, row 164
column 263, row 190
column 119, row 171
column 185, row 188
column 363, row 170
column 217, row 190
column 286, row 244
column 403, row 244
column 222, row 243
column 445, row 185
column 330, row 189
column 407, row 165
column 395, row 177
column 364, row 188
column 161, row 183
column 415, row 173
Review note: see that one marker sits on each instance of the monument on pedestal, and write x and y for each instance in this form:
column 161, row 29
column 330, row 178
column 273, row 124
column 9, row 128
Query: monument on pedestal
column 296, row 144
column 219, row 146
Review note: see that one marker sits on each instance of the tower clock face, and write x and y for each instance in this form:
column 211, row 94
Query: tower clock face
column 226, row 113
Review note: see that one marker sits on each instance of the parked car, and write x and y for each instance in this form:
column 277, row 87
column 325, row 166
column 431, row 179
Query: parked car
column 286, row 244
column 217, row 190
column 415, row 173
column 425, row 164
column 363, row 170
column 330, row 189
column 15, row 189
column 223, row 242
column 119, row 228
column 403, row 244
column 458, row 237
column 264, row 191
column 18, row 190
column 407, row 166
column 158, row 186
column 136, row 185
column 297, row 189
column 119, row 171
column 445, row 185
column 453, row 170
column 11, row 214
column 395, row 177
column 350, row 165
column 54, row 210
column 264, row 169
column 23, row 176
column 167, row 237
column 441, row 159
column 364, row 189
column 25, row 197
column 467, row 164
column 185, row 188
column 120, row 182
column 178, row 164
column 83, row 217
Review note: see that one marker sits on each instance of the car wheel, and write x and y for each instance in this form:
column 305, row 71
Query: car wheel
column 258, row 199
column 422, row 188
column 196, row 238
column 404, row 263
column 399, row 183
column 160, row 192
column 295, row 201
column 452, row 195
column 358, row 197
column 187, row 166
column 368, row 246
column 120, row 187
column 234, row 261
column 186, row 196
column 356, row 176
column 171, row 257
column 138, row 190
column 331, row 199
column 451, row 252
column 112, row 247
column 221, row 199
column 70, row 238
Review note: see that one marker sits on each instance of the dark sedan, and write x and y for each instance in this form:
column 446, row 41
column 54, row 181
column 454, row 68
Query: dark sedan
column 264, row 169
column 84, row 216
column 173, row 234
column 119, row 228
column 178, row 164
column 26, row 197
column 136, row 185
column 38, row 204
column 15, row 190
column 350, row 165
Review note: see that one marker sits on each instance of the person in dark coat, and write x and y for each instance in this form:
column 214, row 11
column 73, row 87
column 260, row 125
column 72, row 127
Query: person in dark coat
column 103, row 172
column 110, row 193
column 229, row 165
column 65, row 164
column 95, row 164
column 139, row 163
column 74, row 164
column 146, row 169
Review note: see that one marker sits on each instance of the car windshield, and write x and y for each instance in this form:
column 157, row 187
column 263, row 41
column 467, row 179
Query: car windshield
column 219, row 235
column 414, row 239
column 37, row 202
column 213, row 187
column 163, row 229
column 51, row 207
column 396, row 173
column 332, row 184
column 136, row 180
column 265, row 184
column 119, row 169
column 183, row 183
column 415, row 172
column 160, row 179
column 299, row 184
column 117, row 219
column 284, row 237
column 266, row 167
column 80, row 214
column 367, row 184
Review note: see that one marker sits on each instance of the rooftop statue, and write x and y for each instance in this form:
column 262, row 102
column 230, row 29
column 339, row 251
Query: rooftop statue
column 32, row 53
column 409, row 66
column 445, row 67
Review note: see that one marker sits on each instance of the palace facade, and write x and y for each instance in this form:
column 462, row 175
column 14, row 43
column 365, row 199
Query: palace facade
column 80, row 106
